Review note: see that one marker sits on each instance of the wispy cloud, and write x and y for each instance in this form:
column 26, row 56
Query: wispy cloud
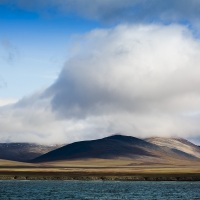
column 3, row 83
column 7, row 101
column 117, row 10
column 9, row 52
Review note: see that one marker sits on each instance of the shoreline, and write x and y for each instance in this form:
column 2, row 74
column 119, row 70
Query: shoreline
column 97, row 176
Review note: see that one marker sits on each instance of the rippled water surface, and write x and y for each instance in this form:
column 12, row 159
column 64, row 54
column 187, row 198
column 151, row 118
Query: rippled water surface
column 99, row 190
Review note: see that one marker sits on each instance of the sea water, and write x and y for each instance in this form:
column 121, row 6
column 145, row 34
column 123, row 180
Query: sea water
column 99, row 190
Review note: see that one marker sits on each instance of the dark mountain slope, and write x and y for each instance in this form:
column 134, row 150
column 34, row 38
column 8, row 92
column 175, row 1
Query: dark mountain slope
column 113, row 147
column 109, row 147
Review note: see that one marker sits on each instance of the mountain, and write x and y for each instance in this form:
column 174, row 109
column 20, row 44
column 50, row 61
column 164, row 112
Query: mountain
column 109, row 147
column 116, row 147
column 178, row 144
column 23, row 151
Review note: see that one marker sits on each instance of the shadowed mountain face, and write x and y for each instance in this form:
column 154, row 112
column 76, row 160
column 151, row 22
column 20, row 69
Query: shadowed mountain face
column 114, row 147
column 23, row 151
column 111, row 147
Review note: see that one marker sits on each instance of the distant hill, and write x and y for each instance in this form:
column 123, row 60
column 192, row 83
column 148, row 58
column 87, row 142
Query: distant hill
column 179, row 144
column 118, row 146
column 23, row 151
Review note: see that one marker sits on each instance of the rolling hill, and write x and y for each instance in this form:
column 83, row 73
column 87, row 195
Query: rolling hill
column 23, row 151
column 179, row 144
column 121, row 147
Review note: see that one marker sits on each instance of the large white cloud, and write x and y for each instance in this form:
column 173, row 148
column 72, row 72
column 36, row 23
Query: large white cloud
column 138, row 80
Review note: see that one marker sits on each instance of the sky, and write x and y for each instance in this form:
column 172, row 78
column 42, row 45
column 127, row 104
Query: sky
column 74, row 70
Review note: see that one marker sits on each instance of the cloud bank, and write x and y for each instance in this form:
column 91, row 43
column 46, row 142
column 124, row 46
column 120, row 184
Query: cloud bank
column 139, row 80
column 116, row 10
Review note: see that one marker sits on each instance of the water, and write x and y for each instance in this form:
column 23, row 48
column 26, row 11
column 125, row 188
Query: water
column 99, row 190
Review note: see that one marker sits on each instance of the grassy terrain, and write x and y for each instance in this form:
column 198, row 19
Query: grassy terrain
column 104, row 169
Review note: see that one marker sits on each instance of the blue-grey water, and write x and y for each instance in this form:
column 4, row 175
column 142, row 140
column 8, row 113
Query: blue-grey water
column 99, row 190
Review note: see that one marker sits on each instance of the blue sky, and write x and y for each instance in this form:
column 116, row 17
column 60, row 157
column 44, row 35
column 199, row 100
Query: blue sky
column 34, row 48
column 39, row 37
column 73, row 70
